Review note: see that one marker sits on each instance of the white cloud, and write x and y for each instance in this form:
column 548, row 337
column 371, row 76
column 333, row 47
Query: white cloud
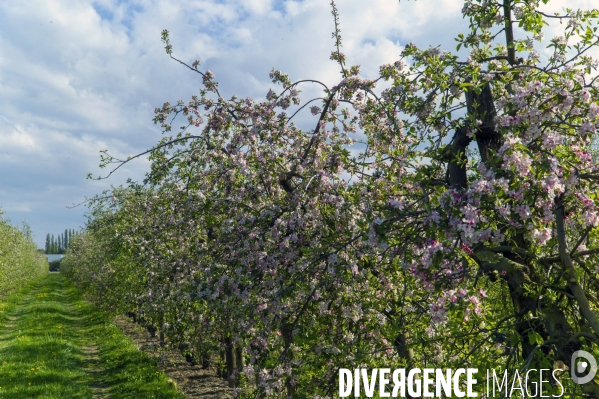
column 24, row 208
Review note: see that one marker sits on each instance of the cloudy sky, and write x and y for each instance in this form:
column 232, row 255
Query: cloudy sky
column 80, row 76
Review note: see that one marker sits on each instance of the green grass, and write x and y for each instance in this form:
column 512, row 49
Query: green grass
column 54, row 344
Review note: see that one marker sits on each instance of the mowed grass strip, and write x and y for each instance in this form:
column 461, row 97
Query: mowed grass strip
column 54, row 344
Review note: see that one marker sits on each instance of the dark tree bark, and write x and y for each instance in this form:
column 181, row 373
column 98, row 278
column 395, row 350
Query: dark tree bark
column 458, row 160
column 481, row 107
column 230, row 361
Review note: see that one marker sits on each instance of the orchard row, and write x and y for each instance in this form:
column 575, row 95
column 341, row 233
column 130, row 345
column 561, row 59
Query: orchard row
column 443, row 215
column 20, row 261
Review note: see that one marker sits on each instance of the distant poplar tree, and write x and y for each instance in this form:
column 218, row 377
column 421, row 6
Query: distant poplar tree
column 60, row 243
column 47, row 247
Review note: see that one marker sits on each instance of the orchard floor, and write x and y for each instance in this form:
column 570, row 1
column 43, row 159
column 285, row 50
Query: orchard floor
column 192, row 380
column 54, row 344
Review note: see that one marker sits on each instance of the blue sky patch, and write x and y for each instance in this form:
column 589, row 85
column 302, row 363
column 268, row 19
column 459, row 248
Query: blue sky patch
column 103, row 12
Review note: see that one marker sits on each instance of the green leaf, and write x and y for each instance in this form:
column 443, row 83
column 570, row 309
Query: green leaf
column 535, row 338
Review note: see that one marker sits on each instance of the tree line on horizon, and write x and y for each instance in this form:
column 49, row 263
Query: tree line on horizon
column 60, row 243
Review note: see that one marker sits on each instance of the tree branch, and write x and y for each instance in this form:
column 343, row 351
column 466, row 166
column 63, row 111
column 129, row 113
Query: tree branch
column 577, row 291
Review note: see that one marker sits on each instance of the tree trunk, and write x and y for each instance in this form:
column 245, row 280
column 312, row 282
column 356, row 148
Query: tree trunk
column 239, row 359
column 286, row 331
column 230, row 361
column 481, row 108
column 457, row 159
column 481, row 115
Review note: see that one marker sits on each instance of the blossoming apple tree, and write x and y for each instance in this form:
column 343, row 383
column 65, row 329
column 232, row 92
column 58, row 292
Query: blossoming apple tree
column 462, row 234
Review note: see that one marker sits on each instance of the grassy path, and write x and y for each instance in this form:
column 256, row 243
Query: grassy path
column 54, row 344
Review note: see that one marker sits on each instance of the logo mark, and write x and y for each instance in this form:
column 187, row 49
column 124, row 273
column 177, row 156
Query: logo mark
column 589, row 364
